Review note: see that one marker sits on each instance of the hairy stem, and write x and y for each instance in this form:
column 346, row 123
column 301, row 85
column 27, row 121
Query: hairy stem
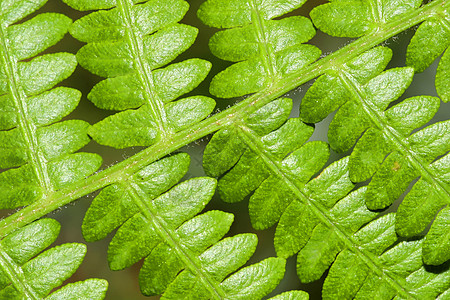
column 166, row 146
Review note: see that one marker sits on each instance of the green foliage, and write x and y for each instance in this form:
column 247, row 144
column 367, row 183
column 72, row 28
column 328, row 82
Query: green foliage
column 317, row 219
column 364, row 95
column 265, row 50
column 29, row 106
column 164, row 228
column 324, row 211
column 347, row 18
column 130, row 48
column 34, row 276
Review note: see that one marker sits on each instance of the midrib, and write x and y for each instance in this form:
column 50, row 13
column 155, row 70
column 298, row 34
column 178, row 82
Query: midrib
column 170, row 237
column 264, row 47
column 256, row 146
column 17, row 277
column 27, row 128
column 217, row 121
column 143, row 69
column 395, row 137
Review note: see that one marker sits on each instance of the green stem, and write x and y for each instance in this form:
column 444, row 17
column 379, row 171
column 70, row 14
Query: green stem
column 144, row 71
column 17, row 277
column 395, row 138
column 264, row 48
column 169, row 236
column 26, row 127
column 218, row 121
column 319, row 211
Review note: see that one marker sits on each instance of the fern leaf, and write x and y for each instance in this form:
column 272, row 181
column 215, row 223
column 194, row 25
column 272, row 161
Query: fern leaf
column 401, row 266
column 349, row 18
column 265, row 50
column 25, row 275
column 387, row 133
column 365, row 266
column 430, row 40
column 263, row 142
column 442, row 77
column 253, row 156
column 131, row 49
column 29, row 106
column 291, row 295
column 184, row 257
column 317, row 219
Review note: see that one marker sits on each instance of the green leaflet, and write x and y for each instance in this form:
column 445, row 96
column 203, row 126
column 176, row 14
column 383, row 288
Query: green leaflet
column 430, row 40
column 371, row 268
column 352, row 18
column 291, row 295
column 13, row 11
column 233, row 13
column 386, row 151
column 30, row 106
column 34, row 275
column 131, row 44
column 443, row 77
column 251, row 150
column 317, row 219
column 265, row 50
column 437, row 242
column 183, row 253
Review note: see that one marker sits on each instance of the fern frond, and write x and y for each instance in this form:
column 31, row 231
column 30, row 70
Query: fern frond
column 130, row 44
column 26, row 274
column 349, row 18
column 317, row 219
column 251, row 151
column 387, row 132
column 385, row 271
column 29, row 106
column 163, row 228
column 265, row 50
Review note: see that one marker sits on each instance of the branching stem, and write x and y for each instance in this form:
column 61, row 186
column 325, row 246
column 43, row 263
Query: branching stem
column 166, row 146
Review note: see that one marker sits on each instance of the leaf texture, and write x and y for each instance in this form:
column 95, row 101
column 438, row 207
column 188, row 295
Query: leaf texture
column 26, row 274
column 132, row 44
column 383, row 271
column 386, row 150
column 320, row 218
column 264, row 50
column 291, row 295
column 351, row 18
column 430, row 40
column 39, row 149
column 184, row 255
column 249, row 151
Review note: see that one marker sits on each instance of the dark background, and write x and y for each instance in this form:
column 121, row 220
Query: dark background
column 123, row 284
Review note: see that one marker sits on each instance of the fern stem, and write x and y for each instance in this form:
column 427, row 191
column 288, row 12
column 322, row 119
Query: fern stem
column 218, row 121
column 319, row 211
column 170, row 238
column 17, row 277
column 142, row 67
column 26, row 127
column 395, row 138
column 264, row 48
